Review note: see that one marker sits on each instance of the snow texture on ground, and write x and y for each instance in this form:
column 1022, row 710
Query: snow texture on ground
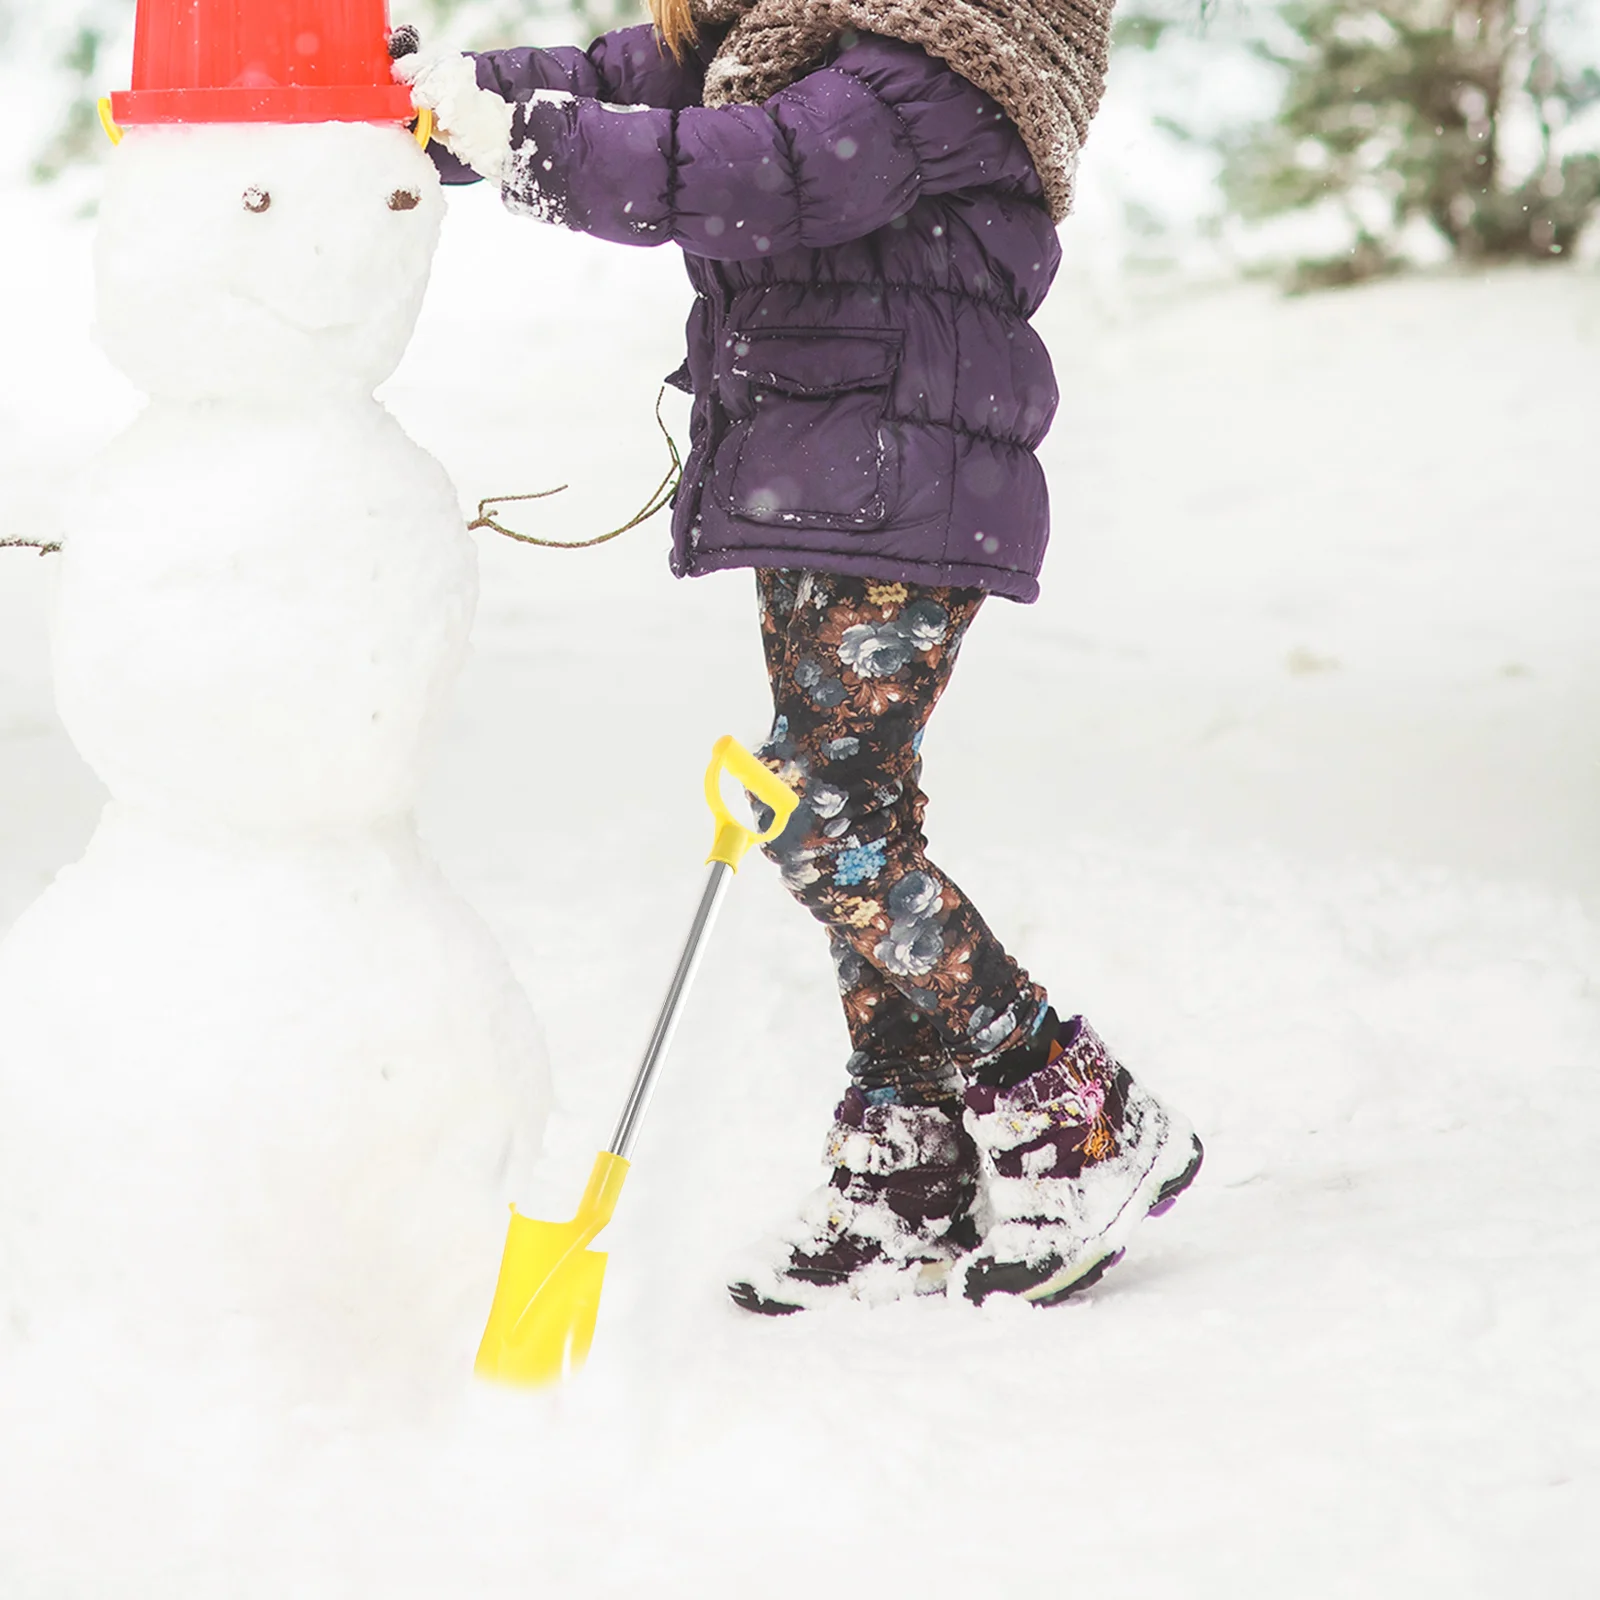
column 1289, row 782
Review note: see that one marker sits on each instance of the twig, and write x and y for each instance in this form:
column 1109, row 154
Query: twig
column 485, row 518
column 30, row 544
column 659, row 500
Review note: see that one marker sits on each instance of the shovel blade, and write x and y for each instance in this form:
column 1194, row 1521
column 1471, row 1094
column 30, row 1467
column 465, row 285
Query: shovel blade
column 545, row 1306
column 547, row 1300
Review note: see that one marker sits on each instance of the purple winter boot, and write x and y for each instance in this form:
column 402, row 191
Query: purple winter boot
column 891, row 1221
column 1075, row 1155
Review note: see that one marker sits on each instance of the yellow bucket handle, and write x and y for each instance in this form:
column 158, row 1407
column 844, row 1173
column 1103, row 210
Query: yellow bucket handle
column 734, row 839
column 423, row 130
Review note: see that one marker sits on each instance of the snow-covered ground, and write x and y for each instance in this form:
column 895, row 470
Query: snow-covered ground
column 1290, row 782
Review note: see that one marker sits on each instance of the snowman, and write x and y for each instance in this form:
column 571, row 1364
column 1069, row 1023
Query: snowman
column 266, row 1084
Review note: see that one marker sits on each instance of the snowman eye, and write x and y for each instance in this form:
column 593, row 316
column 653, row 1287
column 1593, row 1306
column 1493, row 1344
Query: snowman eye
column 257, row 200
column 404, row 200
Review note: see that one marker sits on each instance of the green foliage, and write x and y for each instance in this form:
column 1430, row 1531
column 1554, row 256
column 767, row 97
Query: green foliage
column 485, row 24
column 79, row 132
column 1395, row 110
column 1139, row 31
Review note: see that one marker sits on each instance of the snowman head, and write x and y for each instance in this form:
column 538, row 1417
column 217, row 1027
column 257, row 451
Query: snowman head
column 264, row 261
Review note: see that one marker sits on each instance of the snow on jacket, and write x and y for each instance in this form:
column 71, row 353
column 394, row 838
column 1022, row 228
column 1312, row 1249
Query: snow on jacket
column 867, row 248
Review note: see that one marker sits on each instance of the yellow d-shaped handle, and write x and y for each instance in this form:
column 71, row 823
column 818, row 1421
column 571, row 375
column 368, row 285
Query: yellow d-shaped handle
column 733, row 838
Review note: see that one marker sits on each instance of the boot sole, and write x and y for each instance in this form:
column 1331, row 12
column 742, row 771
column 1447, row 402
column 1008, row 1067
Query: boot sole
column 929, row 1279
column 1044, row 1283
column 748, row 1298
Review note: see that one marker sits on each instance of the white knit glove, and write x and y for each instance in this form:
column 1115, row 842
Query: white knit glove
column 473, row 124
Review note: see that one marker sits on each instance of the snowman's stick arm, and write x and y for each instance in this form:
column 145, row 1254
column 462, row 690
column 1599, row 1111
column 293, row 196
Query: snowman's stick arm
column 660, row 498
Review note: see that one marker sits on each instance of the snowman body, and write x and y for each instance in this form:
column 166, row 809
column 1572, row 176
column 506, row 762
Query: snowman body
column 266, row 1084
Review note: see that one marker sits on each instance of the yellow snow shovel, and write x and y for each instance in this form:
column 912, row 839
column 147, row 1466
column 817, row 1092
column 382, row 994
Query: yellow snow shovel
column 542, row 1322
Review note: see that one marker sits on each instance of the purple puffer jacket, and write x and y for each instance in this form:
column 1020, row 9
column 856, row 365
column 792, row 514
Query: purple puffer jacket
column 866, row 249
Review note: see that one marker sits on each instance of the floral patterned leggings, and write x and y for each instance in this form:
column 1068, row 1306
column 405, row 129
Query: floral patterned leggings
column 857, row 667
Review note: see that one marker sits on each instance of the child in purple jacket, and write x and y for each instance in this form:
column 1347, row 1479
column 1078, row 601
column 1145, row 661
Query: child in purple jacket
column 866, row 194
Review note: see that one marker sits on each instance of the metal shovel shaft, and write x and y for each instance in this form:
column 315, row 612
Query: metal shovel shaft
column 622, row 1141
column 548, row 1293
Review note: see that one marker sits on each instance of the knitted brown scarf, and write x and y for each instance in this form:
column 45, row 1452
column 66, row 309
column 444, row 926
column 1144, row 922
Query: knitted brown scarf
column 1044, row 61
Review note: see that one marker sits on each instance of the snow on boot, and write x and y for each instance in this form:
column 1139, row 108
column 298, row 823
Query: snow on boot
column 890, row 1222
column 1076, row 1155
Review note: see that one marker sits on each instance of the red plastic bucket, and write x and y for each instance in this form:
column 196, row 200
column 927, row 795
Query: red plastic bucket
column 262, row 61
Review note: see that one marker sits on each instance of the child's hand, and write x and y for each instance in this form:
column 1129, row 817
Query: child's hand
column 473, row 124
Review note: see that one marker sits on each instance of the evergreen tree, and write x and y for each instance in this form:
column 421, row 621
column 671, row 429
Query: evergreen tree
column 79, row 48
column 1395, row 110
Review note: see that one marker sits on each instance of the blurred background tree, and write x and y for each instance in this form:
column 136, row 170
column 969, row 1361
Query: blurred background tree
column 1368, row 133
column 78, row 46
column 1399, row 111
